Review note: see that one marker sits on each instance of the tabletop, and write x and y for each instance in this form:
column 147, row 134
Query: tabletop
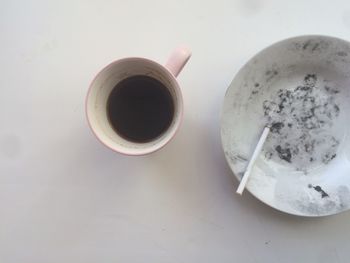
column 64, row 197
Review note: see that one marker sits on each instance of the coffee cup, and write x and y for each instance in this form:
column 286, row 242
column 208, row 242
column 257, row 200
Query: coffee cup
column 134, row 105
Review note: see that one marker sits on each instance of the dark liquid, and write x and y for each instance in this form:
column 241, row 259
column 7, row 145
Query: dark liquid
column 140, row 108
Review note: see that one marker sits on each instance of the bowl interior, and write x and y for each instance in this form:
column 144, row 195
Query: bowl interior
column 301, row 88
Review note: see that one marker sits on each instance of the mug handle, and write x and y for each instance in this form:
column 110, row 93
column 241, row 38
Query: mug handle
column 178, row 60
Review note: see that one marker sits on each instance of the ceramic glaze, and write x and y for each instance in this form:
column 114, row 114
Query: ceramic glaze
column 301, row 88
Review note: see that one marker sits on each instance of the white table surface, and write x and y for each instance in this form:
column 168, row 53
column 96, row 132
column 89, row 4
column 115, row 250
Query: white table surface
column 64, row 197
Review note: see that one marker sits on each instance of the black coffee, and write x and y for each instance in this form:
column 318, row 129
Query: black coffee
column 140, row 108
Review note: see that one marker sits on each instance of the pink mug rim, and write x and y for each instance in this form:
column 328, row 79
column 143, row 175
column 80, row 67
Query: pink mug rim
column 118, row 150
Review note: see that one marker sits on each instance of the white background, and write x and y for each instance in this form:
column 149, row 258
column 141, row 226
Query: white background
column 64, row 197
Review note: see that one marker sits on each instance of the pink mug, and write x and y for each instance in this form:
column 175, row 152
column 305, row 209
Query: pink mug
column 105, row 81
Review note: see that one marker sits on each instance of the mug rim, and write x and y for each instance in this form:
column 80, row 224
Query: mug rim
column 146, row 150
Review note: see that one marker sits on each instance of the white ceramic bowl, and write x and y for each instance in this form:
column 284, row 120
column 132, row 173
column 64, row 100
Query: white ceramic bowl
column 300, row 86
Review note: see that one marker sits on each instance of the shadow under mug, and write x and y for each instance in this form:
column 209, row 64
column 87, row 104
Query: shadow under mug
column 105, row 81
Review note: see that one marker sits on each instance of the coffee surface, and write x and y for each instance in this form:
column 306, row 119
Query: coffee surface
column 140, row 108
